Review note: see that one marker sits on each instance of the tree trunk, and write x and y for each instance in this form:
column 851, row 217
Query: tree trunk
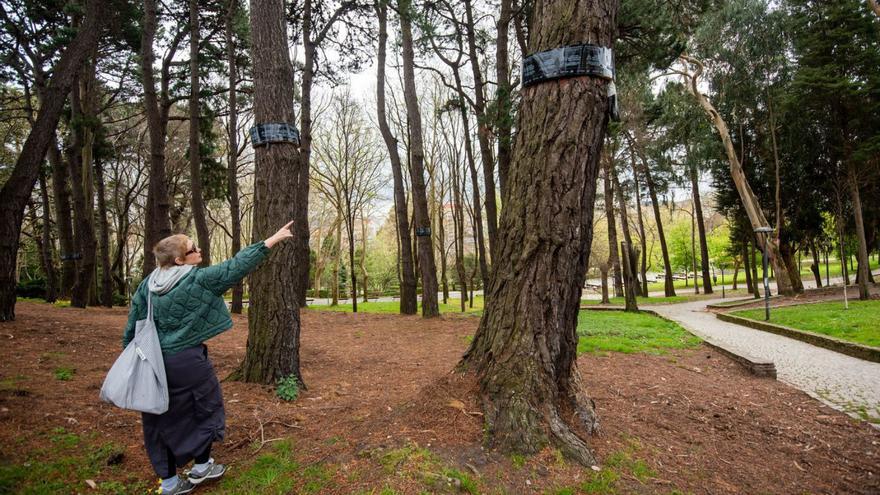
column 408, row 297
column 106, row 273
column 61, row 192
column 613, row 256
column 274, row 312
column 17, row 190
column 644, row 239
column 80, row 166
column 195, row 155
column 791, row 266
column 430, row 308
column 483, row 131
column 603, row 270
column 525, row 349
column 503, row 103
column 337, row 259
column 232, row 151
column 349, row 230
column 669, row 283
column 747, row 197
column 630, row 284
column 46, row 242
column 701, row 227
column 624, row 225
column 157, row 224
column 363, row 261
column 814, row 267
column 735, row 274
column 862, row 275
column 747, row 267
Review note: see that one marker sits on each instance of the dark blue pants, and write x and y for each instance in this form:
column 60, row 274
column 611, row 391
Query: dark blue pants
column 195, row 418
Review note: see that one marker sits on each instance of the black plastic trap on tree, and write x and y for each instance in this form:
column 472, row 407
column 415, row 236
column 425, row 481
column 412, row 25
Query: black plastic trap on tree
column 423, row 231
column 275, row 132
column 572, row 61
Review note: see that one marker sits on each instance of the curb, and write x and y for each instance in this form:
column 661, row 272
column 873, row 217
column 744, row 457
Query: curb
column 755, row 366
column 743, row 302
column 859, row 351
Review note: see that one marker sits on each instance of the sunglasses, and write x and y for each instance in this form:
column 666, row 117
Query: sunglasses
column 195, row 249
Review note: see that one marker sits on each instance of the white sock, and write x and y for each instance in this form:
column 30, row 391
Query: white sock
column 168, row 484
column 203, row 466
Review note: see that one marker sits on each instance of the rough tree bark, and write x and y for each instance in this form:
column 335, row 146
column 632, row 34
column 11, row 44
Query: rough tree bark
column 61, row 192
column 195, row 155
column 430, row 308
column 274, row 312
column 46, row 242
column 747, row 197
column 232, row 152
column 157, row 223
column 17, row 190
column 525, row 349
column 502, row 94
column 408, row 297
column 79, row 163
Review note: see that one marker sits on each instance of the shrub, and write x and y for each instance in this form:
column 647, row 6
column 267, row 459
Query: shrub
column 288, row 388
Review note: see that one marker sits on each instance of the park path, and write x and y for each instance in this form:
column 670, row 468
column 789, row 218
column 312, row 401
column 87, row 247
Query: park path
column 846, row 383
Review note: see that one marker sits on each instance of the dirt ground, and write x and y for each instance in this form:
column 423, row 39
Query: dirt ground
column 694, row 419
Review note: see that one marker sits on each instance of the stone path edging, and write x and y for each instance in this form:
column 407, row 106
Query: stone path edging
column 860, row 351
column 755, row 366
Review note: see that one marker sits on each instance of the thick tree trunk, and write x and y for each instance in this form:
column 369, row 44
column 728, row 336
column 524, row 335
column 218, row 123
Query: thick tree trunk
column 668, row 282
column 701, row 227
column 157, row 224
column 80, row 166
column 862, row 275
column 613, row 256
column 525, row 349
column 106, row 274
column 17, row 190
column 747, row 197
column 791, row 266
column 430, row 308
column 274, row 312
column 408, row 297
column 603, row 270
column 195, row 155
column 232, row 152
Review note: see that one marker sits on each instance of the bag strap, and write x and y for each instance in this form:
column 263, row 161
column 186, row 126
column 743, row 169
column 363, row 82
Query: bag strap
column 149, row 305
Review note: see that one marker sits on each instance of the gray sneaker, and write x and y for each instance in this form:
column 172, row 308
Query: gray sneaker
column 183, row 486
column 212, row 472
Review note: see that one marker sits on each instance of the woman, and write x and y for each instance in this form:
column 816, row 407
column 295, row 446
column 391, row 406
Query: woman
column 188, row 309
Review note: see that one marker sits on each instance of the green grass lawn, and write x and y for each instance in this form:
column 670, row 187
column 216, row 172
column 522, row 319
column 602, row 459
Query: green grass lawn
column 620, row 301
column 393, row 307
column 860, row 323
column 604, row 331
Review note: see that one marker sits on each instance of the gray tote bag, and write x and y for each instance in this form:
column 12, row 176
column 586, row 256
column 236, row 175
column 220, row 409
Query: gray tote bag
column 137, row 379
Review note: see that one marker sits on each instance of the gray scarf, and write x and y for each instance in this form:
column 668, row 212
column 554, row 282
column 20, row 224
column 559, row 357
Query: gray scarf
column 163, row 280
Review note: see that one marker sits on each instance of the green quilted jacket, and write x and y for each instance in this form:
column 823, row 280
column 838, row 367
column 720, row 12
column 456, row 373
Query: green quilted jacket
column 193, row 311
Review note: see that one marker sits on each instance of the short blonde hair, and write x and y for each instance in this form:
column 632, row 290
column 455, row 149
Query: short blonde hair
column 169, row 249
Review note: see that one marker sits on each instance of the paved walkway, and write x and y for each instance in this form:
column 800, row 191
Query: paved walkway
column 846, row 383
